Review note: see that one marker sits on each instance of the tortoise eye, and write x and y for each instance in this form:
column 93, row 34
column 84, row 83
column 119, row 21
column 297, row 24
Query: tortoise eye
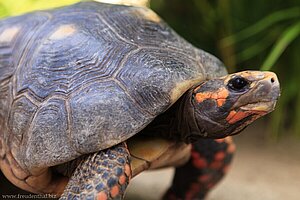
column 238, row 84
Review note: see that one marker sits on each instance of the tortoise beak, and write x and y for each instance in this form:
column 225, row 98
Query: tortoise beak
column 266, row 89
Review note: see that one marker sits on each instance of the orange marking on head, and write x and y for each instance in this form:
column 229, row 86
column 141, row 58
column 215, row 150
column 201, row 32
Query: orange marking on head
column 214, row 95
column 221, row 102
column 222, row 93
column 236, row 116
column 127, row 170
column 114, row 191
column 200, row 97
column 122, row 180
column 230, row 115
column 219, row 96
column 102, row 196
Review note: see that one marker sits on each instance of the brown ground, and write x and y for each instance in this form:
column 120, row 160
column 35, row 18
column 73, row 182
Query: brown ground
column 262, row 169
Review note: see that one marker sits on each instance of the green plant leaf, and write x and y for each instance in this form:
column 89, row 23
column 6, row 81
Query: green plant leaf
column 282, row 43
column 263, row 24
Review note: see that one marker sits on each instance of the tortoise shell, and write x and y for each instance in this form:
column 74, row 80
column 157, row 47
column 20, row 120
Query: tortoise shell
column 83, row 78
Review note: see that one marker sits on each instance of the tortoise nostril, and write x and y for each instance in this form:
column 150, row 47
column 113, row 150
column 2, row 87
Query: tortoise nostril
column 272, row 80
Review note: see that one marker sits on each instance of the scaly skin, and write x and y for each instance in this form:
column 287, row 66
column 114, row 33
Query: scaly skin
column 103, row 175
column 209, row 162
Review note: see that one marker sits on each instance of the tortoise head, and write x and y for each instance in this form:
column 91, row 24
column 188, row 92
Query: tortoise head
column 226, row 105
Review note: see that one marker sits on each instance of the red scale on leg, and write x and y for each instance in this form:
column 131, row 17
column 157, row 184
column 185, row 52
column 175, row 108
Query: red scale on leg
column 102, row 196
column 122, row 180
column 216, row 165
column 200, row 163
column 115, row 191
column 220, row 155
column 108, row 182
column 204, row 178
column 209, row 162
column 195, row 188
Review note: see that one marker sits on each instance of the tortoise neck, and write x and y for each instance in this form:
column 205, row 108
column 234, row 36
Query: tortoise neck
column 185, row 123
column 178, row 122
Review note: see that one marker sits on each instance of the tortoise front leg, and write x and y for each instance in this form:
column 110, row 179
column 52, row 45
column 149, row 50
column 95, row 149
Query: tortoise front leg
column 103, row 175
column 208, row 164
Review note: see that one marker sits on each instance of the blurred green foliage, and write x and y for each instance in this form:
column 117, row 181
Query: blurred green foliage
column 257, row 35
column 16, row 7
column 243, row 34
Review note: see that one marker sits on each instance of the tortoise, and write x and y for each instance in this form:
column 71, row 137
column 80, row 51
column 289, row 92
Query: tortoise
column 78, row 82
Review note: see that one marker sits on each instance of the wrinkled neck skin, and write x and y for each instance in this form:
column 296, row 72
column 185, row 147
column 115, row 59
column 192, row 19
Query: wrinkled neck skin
column 178, row 122
column 184, row 125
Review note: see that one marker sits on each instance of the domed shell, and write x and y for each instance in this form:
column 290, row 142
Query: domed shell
column 82, row 78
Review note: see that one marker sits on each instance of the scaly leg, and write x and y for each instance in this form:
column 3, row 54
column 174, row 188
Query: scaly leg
column 208, row 164
column 103, row 175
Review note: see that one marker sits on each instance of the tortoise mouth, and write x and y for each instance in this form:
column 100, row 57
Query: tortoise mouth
column 262, row 106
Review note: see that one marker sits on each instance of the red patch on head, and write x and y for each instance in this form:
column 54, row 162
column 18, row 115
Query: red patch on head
column 221, row 102
column 219, row 96
column 222, row 94
column 200, row 97
column 234, row 116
